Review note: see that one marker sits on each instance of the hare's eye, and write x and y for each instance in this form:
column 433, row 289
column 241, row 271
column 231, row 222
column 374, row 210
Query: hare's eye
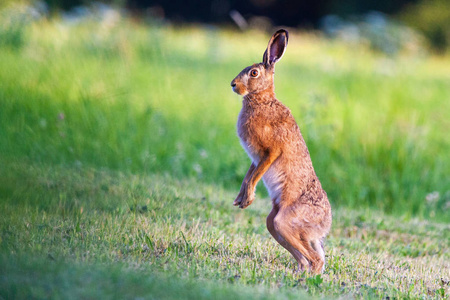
column 254, row 73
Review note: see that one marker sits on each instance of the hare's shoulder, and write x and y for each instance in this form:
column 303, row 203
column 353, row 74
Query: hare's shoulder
column 270, row 112
column 268, row 115
column 279, row 117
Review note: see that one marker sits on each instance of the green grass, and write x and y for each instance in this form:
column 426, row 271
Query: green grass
column 67, row 231
column 119, row 162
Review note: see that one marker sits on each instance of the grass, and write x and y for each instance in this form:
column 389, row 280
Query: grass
column 66, row 231
column 119, row 163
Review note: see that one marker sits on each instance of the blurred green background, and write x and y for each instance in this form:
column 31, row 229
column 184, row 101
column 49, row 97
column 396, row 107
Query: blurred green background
column 96, row 86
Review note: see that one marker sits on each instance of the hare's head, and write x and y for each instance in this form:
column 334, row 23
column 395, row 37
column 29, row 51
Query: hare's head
column 259, row 77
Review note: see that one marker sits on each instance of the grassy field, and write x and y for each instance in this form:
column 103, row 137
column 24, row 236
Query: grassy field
column 119, row 163
column 87, row 233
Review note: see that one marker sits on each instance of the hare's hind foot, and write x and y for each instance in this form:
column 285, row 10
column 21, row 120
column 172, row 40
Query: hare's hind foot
column 318, row 247
column 317, row 267
column 296, row 239
column 302, row 265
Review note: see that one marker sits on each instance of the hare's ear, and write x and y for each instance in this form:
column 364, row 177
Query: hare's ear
column 275, row 49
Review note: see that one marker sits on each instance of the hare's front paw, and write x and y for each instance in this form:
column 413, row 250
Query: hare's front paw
column 238, row 199
column 244, row 198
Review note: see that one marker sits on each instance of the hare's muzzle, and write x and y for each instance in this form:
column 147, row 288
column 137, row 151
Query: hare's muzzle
column 233, row 86
column 237, row 88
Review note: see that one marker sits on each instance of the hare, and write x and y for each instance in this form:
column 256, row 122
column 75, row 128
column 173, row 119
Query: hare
column 301, row 214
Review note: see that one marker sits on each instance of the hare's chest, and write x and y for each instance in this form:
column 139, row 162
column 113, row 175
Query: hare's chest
column 244, row 134
column 254, row 136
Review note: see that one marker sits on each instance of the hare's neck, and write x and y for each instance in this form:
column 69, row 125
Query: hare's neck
column 265, row 96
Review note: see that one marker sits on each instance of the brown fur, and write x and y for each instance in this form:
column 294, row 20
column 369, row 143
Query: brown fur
column 301, row 214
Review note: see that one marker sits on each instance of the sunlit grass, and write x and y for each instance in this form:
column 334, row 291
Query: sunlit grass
column 155, row 228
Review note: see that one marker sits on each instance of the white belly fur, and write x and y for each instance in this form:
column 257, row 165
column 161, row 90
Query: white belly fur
column 272, row 180
column 253, row 157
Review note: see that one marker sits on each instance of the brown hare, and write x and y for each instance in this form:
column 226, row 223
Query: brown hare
column 301, row 214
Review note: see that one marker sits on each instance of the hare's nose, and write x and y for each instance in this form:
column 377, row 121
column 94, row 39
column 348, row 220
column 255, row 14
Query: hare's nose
column 233, row 83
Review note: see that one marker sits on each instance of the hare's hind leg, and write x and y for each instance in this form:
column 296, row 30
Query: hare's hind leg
column 303, row 263
column 296, row 238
